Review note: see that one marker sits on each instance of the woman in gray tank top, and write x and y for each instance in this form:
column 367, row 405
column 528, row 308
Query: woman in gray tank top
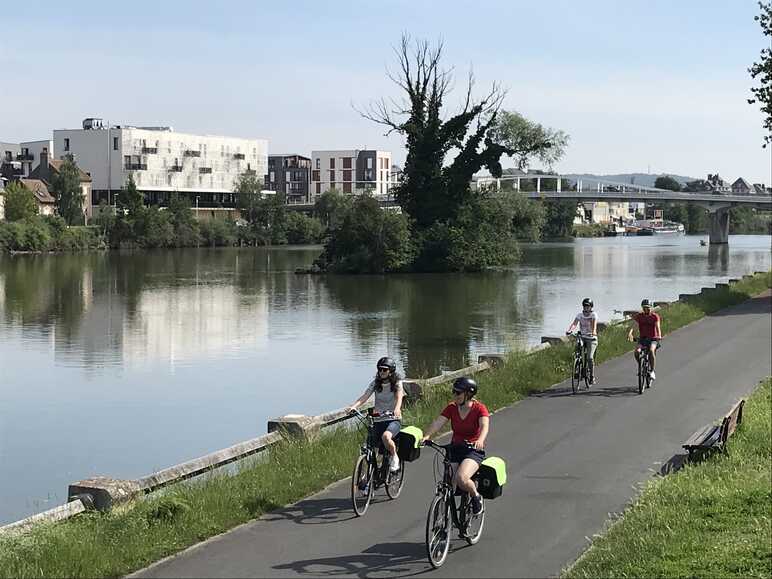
column 387, row 387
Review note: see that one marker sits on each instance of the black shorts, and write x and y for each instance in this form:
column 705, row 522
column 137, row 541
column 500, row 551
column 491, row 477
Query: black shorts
column 392, row 426
column 646, row 342
column 459, row 452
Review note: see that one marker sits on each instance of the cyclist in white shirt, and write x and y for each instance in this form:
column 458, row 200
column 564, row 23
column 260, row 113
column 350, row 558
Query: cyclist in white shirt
column 588, row 329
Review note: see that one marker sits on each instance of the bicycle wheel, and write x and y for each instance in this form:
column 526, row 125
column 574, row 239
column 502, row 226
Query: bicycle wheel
column 648, row 371
column 576, row 375
column 586, row 374
column 438, row 531
column 472, row 524
column 395, row 481
column 642, row 370
column 361, row 486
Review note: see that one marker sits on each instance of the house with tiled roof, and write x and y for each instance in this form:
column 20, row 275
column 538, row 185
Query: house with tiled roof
column 742, row 187
column 46, row 201
column 49, row 168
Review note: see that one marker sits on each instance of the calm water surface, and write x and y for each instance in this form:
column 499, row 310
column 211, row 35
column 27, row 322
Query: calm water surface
column 122, row 364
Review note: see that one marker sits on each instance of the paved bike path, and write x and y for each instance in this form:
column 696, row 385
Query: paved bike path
column 571, row 461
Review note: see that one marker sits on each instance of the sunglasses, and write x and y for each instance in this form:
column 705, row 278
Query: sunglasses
column 457, row 392
column 383, row 369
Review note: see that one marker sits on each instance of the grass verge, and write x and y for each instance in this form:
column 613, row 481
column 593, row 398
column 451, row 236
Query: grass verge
column 710, row 519
column 125, row 539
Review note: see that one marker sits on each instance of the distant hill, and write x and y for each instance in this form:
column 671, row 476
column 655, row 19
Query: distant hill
column 644, row 179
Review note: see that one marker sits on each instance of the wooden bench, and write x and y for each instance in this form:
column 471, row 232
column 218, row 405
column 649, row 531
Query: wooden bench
column 714, row 436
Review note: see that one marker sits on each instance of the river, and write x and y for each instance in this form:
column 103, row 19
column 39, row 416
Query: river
column 119, row 364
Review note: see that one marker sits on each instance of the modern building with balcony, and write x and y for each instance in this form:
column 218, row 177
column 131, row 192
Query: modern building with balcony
column 290, row 174
column 203, row 168
column 351, row 171
column 20, row 158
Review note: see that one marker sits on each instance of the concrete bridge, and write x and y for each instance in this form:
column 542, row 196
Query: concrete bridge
column 717, row 204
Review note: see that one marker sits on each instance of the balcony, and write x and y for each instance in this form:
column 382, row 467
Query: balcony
column 175, row 168
column 239, row 156
column 149, row 150
column 25, row 157
column 205, row 170
column 192, row 153
column 135, row 166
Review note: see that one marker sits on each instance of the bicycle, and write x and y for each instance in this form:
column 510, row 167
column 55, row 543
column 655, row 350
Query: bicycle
column 444, row 512
column 371, row 469
column 644, row 368
column 579, row 371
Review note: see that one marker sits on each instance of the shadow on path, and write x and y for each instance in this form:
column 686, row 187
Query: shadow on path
column 315, row 512
column 400, row 559
column 597, row 390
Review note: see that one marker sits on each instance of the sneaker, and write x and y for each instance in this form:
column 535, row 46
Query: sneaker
column 653, row 375
column 394, row 463
column 476, row 505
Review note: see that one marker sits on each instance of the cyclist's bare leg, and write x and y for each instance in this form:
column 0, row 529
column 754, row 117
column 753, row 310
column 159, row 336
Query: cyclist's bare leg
column 653, row 355
column 464, row 474
column 388, row 442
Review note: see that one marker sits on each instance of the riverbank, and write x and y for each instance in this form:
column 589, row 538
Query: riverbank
column 710, row 519
column 117, row 542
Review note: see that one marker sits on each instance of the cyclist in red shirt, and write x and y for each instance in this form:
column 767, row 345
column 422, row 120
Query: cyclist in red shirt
column 650, row 334
column 469, row 420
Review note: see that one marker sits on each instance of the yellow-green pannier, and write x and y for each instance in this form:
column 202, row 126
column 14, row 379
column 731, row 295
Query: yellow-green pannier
column 408, row 443
column 491, row 477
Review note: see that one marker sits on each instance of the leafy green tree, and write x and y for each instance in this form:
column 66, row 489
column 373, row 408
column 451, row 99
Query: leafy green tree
column 303, row 229
column 368, row 240
column 331, row 206
column 526, row 140
column 69, row 197
column 20, row 202
column 667, row 182
column 186, row 228
column 248, row 188
column 559, row 218
column 432, row 190
column 763, row 71
column 528, row 217
column 130, row 200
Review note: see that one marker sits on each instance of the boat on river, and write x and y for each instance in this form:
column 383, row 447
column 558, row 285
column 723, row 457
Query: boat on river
column 660, row 227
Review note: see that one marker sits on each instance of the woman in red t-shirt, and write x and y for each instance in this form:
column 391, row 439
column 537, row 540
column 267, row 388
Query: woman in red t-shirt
column 469, row 420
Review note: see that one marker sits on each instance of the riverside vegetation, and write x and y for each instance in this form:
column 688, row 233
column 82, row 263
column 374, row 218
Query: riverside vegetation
column 132, row 536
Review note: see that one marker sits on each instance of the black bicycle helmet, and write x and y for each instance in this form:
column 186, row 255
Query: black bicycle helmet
column 587, row 302
column 645, row 303
column 466, row 385
column 387, row 362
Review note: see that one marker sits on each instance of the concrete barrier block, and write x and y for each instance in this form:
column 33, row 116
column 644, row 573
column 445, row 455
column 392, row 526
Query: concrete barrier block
column 734, row 280
column 601, row 326
column 629, row 313
column 103, row 492
column 298, row 426
column 661, row 304
column 686, row 297
column 722, row 285
column 495, row 360
column 554, row 340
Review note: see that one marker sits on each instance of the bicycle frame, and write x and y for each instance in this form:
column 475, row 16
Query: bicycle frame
column 371, row 447
column 445, row 487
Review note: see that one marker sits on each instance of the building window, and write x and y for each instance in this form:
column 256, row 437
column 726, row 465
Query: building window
column 115, row 143
column 347, row 162
column 66, row 144
column 318, row 187
column 332, row 176
column 318, row 161
column 332, row 162
column 346, row 175
column 315, row 176
column 347, row 187
column 272, row 177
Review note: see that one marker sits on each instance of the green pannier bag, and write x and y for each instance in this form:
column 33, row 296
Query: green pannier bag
column 408, row 443
column 491, row 477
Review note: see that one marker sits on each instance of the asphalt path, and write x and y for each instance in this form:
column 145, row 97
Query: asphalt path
column 572, row 461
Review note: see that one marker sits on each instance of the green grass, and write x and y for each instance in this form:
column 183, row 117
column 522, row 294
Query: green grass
column 710, row 519
column 125, row 539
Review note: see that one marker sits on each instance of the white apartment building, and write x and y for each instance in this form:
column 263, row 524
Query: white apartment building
column 350, row 171
column 22, row 158
column 204, row 168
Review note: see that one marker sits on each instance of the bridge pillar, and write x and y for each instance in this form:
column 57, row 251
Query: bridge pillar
column 559, row 184
column 538, row 184
column 517, row 184
column 718, row 225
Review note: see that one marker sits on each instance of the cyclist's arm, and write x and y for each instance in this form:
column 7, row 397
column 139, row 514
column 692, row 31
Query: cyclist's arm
column 594, row 326
column 657, row 328
column 362, row 399
column 485, row 423
column 571, row 327
column 398, row 403
column 438, row 423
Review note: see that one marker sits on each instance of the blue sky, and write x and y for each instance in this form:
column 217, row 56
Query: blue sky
column 638, row 85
